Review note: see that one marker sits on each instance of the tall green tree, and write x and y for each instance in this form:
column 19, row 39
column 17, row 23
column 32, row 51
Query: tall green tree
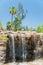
column 12, row 12
column 20, row 15
column 17, row 24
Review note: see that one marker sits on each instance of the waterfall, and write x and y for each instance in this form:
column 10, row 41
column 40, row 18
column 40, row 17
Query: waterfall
column 23, row 47
column 12, row 47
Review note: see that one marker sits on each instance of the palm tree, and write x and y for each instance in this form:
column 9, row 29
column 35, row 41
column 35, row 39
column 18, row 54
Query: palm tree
column 12, row 12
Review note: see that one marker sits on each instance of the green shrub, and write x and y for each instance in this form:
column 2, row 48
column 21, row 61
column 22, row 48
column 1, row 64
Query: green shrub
column 3, row 38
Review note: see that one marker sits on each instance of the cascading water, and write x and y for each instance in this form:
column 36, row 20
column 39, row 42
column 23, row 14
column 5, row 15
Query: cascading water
column 12, row 47
column 23, row 47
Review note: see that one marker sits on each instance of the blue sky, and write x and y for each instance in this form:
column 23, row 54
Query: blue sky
column 34, row 16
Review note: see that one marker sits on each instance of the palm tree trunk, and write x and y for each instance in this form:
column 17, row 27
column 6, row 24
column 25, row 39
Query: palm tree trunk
column 11, row 21
column 12, row 18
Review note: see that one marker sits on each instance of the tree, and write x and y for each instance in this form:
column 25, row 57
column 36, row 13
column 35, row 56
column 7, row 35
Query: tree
column 26, row 28
column 8, row 24
column 20, row 15
column 17, row 24
column 12, row 12
column 39, row 28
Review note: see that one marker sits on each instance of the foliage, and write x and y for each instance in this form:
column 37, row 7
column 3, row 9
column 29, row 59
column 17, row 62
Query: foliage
column 21, row 13
column 17, row 24
column 26, row 28
column 8, row 24
column 16, row 21
column 30, row 29
column 12, row 12
column 3, row 38
column 39, row 28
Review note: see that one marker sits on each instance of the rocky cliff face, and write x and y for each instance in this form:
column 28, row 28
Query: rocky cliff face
column 3, row 43
column 28, row 46
column 2, row 50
